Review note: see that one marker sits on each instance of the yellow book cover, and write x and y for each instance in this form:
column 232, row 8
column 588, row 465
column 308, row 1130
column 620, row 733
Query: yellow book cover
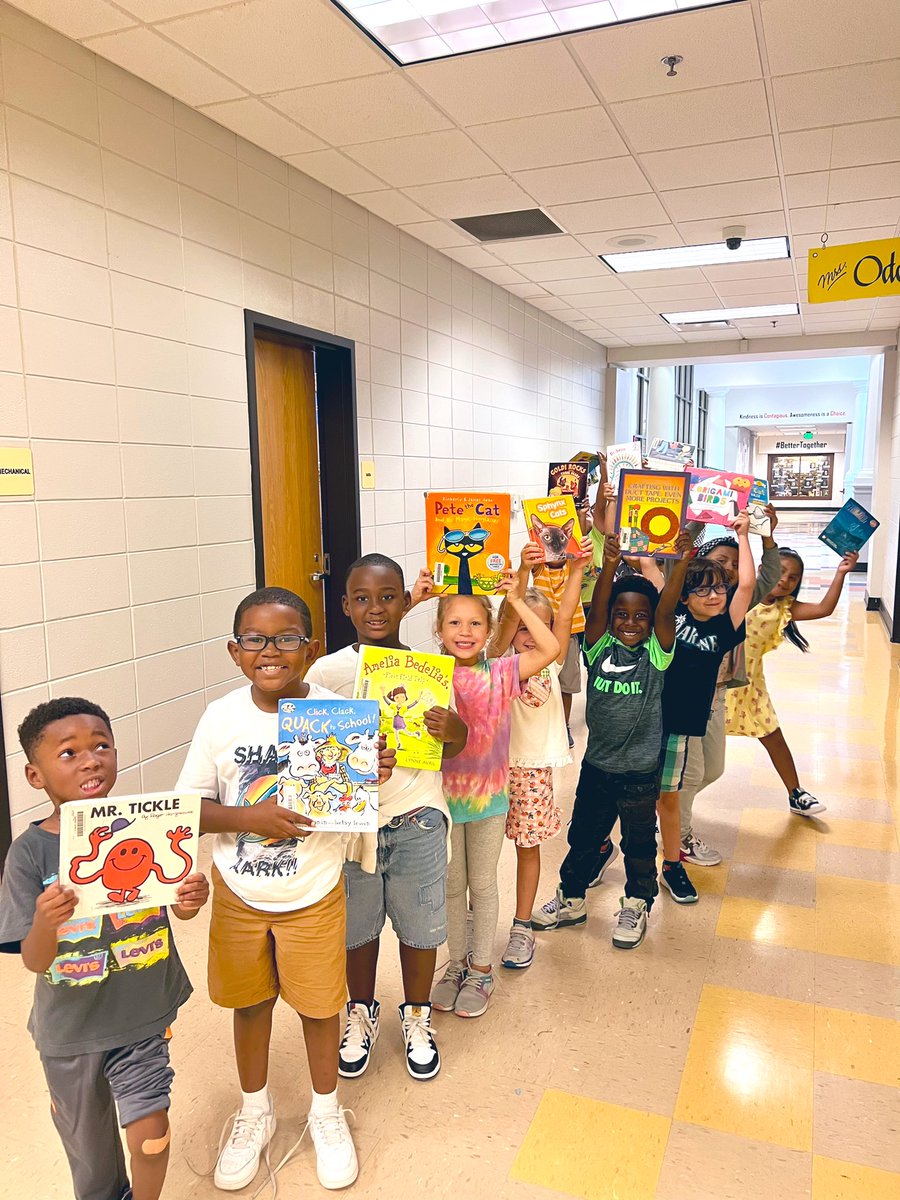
column 552, row 524
column 406, row 685
column 467, row 536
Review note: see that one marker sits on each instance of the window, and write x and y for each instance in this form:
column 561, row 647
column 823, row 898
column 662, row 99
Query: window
column 643, row 400
column 684, row 403
column 702, row 418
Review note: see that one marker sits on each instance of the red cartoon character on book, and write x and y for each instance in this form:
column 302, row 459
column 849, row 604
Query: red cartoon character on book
column 129, row 864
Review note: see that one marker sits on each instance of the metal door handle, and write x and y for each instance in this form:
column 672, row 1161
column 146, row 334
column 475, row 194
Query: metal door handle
column 318, row 576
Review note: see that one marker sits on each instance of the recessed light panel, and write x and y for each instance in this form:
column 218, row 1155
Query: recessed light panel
column 712, row 254
column 414, row 31
column 703, row 315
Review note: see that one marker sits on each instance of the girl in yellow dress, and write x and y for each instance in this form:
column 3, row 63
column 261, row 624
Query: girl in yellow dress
column 749, row 711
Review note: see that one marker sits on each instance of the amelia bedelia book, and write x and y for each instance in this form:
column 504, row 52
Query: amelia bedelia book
column 406, row 685
column 650, row 512
column 328, row 762
column 128, row 852
column 568, row 479
column 552, row 524
column 467, row 537
column 756, row 508
column 849, row 529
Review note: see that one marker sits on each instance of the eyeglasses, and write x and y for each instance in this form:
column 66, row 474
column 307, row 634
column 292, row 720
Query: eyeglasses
column 281, row 641
column 716, row 589
column 455, row 536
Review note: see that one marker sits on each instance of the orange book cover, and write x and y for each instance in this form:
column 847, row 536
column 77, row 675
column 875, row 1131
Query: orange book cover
column 552, row 524
column 467, row 539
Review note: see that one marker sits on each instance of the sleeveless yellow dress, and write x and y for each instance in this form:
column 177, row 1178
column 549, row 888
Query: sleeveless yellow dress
column 748, row 710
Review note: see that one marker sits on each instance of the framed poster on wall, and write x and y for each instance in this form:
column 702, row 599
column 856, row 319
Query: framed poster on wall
column 800, row 476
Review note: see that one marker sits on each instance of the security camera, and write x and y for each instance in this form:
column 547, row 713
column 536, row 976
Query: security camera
column 734, row 235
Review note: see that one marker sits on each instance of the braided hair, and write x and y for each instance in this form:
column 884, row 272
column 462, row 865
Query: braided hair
column 791, row 632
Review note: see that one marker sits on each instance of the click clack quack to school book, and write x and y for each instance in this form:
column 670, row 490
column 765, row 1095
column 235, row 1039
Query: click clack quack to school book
column 406, row 685
column 467, row 537
column 328, row 762
column 552, row 524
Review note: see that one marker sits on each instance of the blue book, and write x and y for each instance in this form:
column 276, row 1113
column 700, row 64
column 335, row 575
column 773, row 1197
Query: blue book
column 849, row 529
column 328, row 762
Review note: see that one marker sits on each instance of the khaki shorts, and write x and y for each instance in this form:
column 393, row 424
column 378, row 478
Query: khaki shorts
column 298, row 955
column 570, row 675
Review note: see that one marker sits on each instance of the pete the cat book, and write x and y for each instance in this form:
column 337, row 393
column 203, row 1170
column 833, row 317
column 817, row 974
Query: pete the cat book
column 467, row 540
column 328, row 762
column 552, row 524
column 128, row 852
column 406, row 685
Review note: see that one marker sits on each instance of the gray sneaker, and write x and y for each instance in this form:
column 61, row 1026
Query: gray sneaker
column 631, row 923
column 695, row 850
column 519, row 952
column 474, row 995
column 446, row 990
column 559, row 912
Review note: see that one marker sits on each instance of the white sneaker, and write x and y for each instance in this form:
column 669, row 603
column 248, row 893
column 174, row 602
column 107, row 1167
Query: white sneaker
column 238, row 1162
column 559, row 912
column 336, row 1162
column 423, row 1060
column 695, row 850
column 631, row 923
column 360, row 1035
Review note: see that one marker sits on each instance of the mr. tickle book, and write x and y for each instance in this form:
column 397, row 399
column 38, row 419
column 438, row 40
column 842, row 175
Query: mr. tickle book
column 406, row 685
column 328, row 762
column 467, row 536
column 127, row 852
column 552, row 524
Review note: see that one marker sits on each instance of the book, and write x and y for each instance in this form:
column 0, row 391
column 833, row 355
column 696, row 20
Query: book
column 123, row 853
column 568, row 479
column 406, row 685
column 328, row 762
column 664, row 455
column 467, row 539
column 849, row 529
column 717, row 496
column 622, row 454
column 650, row 512
column 756, row 508
column 552, row 524
column 592, row 458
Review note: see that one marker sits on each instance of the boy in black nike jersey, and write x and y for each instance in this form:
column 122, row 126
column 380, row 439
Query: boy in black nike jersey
column 629, row 642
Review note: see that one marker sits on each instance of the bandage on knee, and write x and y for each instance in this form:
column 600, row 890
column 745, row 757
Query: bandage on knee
column 152, row 1146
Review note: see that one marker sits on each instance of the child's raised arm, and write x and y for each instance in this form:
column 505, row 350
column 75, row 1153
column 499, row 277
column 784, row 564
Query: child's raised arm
column 740, row 601
column 664, row 621
column 546, row 647
column 801, row 611
column 532, row 556
column 598, row 614
column 422, row 589
column 571, row 598
column 598, row 512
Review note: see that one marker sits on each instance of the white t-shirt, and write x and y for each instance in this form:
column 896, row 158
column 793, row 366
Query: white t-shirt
column 407, row 788
column 234, row 758
column 538, row 736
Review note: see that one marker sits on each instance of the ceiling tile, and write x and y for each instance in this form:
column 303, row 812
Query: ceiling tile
column 351, row 111
column 659, row 237
column 806, row 35
column 803, row 243
column 390, row 206
column 146, row 54
column 875, row 182
column 805, row 190
column 718, row 46
column 161, row 10
column 471, row 197
column 699, row 233
column 268, row 45
column 584, row 181
column 543, row 250
column 585, row 299
column 438, row 234
column 546, row 141
column 503, row 275
column 672, row 296
column 839, row 96
column 583, row 274
column 517, row 81
column 335, row 171
column 725, row 200
column 719, row 162
column 784, row 295
column 527, row 291
column 471, row 256
column 595, row 216
column 866, row 213
column 637, row 280
column 85, row 19
column 749, row 287
column 781, row 268
column 592, row 285
column 424, row 158
column 853, row 146
column 260, row 124
column 695, row 118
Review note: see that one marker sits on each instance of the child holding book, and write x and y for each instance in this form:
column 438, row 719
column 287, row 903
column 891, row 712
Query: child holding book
column 409, row 879
column 550, row 578
column 476, row 783
column 278, row 911
column 103, row 1037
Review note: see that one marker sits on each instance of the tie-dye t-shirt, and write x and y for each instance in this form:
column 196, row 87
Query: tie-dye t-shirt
column 476, row 782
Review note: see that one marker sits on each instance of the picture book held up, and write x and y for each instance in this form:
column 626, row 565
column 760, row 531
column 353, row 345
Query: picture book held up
column 568, row 479
column 467, row 539
column 406, row 685
column 328, row 762
column 621, row 456
column 128, row 852
column 650, row 512
column 552, row 524
column 664, row 455
column 849, row 529
column 717, row 496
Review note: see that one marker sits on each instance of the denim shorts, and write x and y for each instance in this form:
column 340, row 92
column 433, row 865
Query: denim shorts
column 408, row 885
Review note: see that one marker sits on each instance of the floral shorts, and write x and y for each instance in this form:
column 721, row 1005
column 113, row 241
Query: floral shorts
column 533, row 815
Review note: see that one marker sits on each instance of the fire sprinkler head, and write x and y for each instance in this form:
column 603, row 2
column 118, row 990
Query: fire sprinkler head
column 671, row 61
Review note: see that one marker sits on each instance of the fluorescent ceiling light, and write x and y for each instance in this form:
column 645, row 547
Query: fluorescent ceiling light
column 413, row 31
column 731, row 314
column 754, row 250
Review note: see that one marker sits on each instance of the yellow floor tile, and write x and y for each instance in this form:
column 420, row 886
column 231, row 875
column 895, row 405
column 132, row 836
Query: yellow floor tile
column 710, row 881
column 834, row 1180
column 858, row 1046
column 856, row 918
column 776, row 839
column 774, row 924
column 574, row 1146
column 766, row 1024
column 865, row 835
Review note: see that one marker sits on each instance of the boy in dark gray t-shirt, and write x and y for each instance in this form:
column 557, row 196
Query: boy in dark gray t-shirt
column 101, row 1017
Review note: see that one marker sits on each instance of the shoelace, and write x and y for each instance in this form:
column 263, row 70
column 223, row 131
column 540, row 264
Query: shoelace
column 418, row 1033
column 360, row 1028
column 628, row 917
column 804, row 800
column 235, row 1130
column 332, row 1135
column 696, row 843
column 519, row 941
column 551, row 906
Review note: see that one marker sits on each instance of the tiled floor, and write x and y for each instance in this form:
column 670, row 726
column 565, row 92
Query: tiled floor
column 751, row 1046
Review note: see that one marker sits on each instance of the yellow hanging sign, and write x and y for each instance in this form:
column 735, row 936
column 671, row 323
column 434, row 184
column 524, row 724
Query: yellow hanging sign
column 16, row 472
column 854, row 272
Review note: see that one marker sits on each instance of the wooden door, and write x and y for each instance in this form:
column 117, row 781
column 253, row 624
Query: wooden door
column 290, row 497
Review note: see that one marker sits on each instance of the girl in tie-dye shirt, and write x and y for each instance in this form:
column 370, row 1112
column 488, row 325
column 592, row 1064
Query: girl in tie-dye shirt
column 476, row 783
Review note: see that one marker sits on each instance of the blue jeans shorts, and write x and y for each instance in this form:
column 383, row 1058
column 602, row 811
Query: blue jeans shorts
column 408, row 885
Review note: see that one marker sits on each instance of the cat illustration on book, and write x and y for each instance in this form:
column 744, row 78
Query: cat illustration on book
column 463, row 545
column 553, row 538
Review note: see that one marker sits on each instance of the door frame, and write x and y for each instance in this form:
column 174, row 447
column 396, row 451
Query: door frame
column 335, row 372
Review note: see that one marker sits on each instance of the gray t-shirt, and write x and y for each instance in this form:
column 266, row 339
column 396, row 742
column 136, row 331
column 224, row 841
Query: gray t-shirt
column 116, row 979
column 624, row 704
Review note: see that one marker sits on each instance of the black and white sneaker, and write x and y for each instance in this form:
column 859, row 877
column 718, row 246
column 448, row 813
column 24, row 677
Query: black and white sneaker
column 609, row 851
column 423, row 1060
column 360, row 1035
column 676, row 879
column 804, row 804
